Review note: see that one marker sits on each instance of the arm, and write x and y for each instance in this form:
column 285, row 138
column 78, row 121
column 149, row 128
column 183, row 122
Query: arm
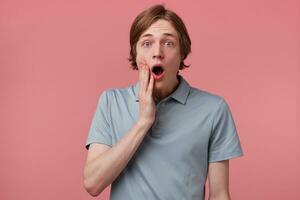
column 104, row 164
column 103, row 168
column 218, row 178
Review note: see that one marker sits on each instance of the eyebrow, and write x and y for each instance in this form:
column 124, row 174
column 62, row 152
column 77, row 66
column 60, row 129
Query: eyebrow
column 166, row 34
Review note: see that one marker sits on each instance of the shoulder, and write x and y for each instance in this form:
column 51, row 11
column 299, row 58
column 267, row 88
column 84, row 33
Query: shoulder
column 205, row 98
column 118, row 93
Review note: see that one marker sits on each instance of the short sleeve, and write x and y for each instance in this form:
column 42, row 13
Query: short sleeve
column 224, row 142
column 100, row 131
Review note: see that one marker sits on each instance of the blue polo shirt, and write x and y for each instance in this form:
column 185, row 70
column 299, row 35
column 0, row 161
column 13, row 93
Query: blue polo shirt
column 192, row 128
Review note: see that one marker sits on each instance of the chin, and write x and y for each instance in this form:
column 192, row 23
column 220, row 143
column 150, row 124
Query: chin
column 158, row 86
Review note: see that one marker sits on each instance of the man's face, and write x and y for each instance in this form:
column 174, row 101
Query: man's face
column 159, row 46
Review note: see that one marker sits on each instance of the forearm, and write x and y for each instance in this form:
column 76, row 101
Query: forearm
column 102, row 171
column 222, row 196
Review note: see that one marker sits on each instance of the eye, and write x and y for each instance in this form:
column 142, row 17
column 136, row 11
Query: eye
column 146, row 44
column 169, row 43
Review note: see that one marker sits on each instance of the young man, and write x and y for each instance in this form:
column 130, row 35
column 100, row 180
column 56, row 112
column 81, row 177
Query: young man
column 160, row 138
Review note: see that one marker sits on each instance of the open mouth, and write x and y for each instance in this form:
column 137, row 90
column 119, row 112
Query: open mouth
column 157, row 70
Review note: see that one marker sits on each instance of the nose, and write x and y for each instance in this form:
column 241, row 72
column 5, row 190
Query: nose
column 157, row 52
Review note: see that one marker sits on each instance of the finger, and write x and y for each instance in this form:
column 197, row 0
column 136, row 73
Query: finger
column 141, row 76
column 141, row 64
column 151, row 84
column 145, row 78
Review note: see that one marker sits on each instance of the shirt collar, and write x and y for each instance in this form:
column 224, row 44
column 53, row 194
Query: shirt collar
column 180, row 94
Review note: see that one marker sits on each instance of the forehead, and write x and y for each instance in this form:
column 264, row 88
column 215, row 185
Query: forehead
column 159, row 28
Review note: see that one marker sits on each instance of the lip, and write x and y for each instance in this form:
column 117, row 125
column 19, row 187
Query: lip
column 155, row 76
column 155, row 65
column 158, row 77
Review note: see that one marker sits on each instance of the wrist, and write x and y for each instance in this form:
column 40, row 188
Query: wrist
column 144, row 123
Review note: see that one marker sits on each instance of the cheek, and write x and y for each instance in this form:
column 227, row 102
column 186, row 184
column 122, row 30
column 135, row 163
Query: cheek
column 141, row 57
column 173, row 53
column 176, row 59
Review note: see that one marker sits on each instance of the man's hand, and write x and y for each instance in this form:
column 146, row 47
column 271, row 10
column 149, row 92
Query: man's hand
column 104, row 163
column 146, row 101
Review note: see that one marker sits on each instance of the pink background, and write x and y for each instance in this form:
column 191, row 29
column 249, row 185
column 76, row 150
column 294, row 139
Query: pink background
column 57, row 57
